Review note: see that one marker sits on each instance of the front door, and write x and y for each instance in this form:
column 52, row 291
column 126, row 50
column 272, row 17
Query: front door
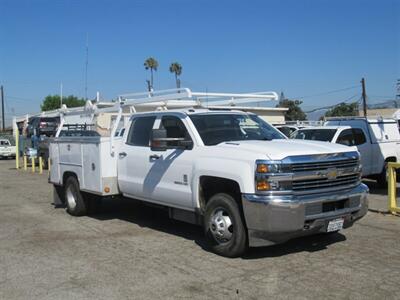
column 356, row 137
column 170, row 176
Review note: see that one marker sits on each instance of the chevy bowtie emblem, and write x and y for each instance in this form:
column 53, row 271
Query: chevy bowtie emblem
column 331, row 174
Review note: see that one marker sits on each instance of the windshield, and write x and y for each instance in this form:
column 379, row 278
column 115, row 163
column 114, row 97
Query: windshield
column 218, row 128
column 325, row 135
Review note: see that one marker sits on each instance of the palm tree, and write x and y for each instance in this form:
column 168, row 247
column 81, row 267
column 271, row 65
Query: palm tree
column 152, row 64
column 176, row 68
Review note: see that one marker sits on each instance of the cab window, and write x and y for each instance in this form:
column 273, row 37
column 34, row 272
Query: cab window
column 139, row 133
column 346, row 137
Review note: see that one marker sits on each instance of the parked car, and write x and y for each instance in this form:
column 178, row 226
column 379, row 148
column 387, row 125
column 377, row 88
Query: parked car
column 319, row 133
column 43, row 126
column 287, row 129
column 377, row 140
column 31, row 152
column 229, row 171
column 6, row 149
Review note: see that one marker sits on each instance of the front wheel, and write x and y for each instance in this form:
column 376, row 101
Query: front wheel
column 224, row 226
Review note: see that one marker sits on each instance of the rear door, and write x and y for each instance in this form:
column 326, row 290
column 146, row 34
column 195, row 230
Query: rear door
column 162, row 177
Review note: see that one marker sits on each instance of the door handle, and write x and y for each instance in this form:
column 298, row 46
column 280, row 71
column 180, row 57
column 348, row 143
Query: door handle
column 154, row 156
column 122, row 154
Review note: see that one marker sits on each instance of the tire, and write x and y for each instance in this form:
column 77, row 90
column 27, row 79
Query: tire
column 76, row 204
column 223, row 212
column 382, row 177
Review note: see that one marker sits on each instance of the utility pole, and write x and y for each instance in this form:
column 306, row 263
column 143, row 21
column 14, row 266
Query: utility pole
column 86, row 64
column 2, row 108
column 364, row 97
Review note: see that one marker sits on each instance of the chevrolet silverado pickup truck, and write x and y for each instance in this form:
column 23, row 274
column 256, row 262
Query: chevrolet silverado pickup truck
column 229, row 171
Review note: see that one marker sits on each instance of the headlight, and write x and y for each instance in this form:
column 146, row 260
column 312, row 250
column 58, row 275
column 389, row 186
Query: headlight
column 263, row 167
column 270, row 176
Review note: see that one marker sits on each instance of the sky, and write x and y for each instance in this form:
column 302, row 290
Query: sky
column 307, row 49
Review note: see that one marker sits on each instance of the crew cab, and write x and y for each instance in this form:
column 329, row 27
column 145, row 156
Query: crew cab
column 6, row 149
column 377, row 140
column 229, row 171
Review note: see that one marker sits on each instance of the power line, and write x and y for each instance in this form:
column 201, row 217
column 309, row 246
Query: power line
column 329, row 92
column 20, row 99
column 332, row 106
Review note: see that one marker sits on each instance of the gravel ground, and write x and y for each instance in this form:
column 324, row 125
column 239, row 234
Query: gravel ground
column 128, row 250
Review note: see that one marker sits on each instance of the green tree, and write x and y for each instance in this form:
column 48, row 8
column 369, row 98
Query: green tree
column 295, row 112
column 343, row 110
column 52, row 102
column 176, row 68
column 152, row 65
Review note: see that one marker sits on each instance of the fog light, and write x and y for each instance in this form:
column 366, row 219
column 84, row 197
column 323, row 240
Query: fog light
column 263, row 186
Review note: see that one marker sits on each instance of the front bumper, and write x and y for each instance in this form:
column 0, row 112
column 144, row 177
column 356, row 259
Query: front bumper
column 8, row 154
column 276, row 219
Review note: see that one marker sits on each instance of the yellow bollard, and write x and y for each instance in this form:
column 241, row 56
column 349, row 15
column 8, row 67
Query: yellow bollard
column 48, row 165
column 393, row 208
column 25, row 163
column 33, row 164
column 17, row 148
column 40, row 165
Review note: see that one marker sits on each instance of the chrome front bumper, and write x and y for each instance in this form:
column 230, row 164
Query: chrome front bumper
column 276, row 219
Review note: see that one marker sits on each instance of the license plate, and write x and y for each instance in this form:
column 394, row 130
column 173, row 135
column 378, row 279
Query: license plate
column 335, row 225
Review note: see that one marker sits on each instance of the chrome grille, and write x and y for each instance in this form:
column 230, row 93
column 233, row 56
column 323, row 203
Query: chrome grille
column 325, row 183
column 315, row 166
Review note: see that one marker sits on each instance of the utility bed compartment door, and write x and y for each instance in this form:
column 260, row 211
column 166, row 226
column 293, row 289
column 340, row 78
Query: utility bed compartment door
column 91, row 167
column 54, row 163
column 70, row 153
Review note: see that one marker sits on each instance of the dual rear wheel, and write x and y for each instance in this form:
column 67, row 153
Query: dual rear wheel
column 77, row 203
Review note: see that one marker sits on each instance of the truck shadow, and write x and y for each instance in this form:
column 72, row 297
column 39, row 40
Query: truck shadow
column 157, row 219
column 375, row 189
column 314, row 243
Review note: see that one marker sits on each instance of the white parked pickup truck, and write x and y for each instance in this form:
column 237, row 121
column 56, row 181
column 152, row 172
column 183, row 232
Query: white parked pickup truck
column 229, row 171
column 6, row 149
column 377, row 140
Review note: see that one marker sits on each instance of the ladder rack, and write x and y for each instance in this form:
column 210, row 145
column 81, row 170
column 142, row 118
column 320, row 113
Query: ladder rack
column 164, row 100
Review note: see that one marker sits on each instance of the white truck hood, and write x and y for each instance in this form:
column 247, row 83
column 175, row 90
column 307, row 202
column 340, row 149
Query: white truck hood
column 279, row 149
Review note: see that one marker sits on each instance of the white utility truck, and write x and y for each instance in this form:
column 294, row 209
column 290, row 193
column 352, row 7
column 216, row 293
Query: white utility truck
column 227, row 170
column 6, row 149
column 377, row 140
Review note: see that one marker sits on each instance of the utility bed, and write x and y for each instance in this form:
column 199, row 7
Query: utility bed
column 89, row 158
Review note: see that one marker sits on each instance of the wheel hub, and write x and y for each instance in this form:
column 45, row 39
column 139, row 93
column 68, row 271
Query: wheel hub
column 221, row 226
column 71, row 198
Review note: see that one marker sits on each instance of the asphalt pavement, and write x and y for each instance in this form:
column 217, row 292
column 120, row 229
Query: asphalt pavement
column 130, row 251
